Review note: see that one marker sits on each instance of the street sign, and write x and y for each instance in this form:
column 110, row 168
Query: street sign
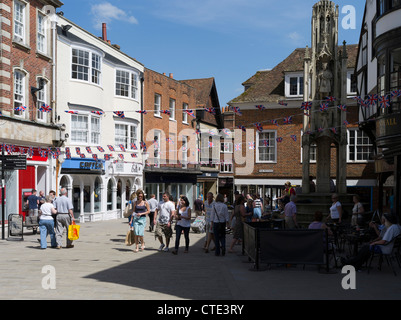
column 14, row 162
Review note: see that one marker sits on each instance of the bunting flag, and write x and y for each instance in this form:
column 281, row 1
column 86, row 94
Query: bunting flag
column 94, row 156
column 143, row 146
column 119, row 114
column 258, row 126
column 345, row 122
column 333, row 129
column 210, row 144
column 384, row 101
column 82, row 155
column 99, row 113
column 169, row 140
column 342, row 107
column 134, row 155
column 251, row 145
column 324, row 107
column 30, row 152
column 279, row 139
column 306, row 105
column 190, row 113
column 282, row 103
column 242, row 128
column 121, row 156
column 106, row 157
column 165, row 112
column 111, row 148
column 210, row 110
column 372, row 99
column 395, row 94
column 265, row 143
column 122, row 147
column 320, row 129
column 197, row 131
column 20, row 108
column 237, row 146
column 88, row 149
column 330, row 99
column 100, row 148
column 260, row 107
column 288, row 120
column 294, row 137
column 141, row 111
column 274, row 122
column 78, row 150
column 68, row 155
column 133, row 146
column 226, row 132
column 71, row 112
column 237, row 110
column 45, row 108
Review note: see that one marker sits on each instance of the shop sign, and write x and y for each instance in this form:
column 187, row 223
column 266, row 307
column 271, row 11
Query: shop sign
column 389, row 125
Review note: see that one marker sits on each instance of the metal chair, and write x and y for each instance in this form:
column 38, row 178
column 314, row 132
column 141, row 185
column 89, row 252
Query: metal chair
column 394, row 255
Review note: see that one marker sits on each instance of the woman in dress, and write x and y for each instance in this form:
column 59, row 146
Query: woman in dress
column 183, row 223
column 141, row 209
column 239, row 214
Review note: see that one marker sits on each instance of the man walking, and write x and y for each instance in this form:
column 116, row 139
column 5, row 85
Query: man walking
column 33, row 206
column 152, row 206
column 290, row 213
column 166, row 212
column 64, row 218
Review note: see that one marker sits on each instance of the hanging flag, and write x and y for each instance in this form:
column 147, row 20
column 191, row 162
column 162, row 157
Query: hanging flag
column 279, row 139
column 260, row 107
column 210, row 144
column 237, row 146
column 45, row 108
column 294, row 137
column 242, row 128
column 251, row 145
column 141, row 111
column 345, row 122
column 133, row 146
column 288, row 120
column 307, row 105
column 190, row 113
column 237, row 110
column 111, row 148
column 122, row 147
column 211, row 110
column 342, row 107
column 88, row 149
column 94, row 156
column 106, row 157
column 143, row 146
column 71, row 112
column 334, row 130
column 363, row 103
column 134, row 155
column 274, row 122
column 165, row 112
column 330, row 99
column 20, row 108
column 119, row 114
column 99, row 113
column 265, row 143
column 320, row 129
column 324, row 106
column 121, row 156
column 100, row 148
column 372, row 99
column 258, row 126
column 384, row 101
column 282, row 103
column 226, row 132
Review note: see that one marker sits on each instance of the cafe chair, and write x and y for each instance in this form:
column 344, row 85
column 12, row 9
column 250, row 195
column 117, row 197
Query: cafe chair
column 394, row 255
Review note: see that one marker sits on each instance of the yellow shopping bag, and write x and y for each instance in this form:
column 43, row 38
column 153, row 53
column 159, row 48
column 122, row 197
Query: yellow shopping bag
column 73, row 231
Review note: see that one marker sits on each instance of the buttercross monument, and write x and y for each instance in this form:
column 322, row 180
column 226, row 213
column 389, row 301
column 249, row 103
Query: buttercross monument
column 325, row 86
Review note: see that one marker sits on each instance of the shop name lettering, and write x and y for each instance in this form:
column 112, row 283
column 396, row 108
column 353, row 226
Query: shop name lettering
column 209, row 309
column 391, row 122
column 91, row 165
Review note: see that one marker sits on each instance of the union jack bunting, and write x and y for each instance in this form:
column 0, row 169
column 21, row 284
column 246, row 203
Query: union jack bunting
column 99, row 113
column 279, row 139
column 42, row 153
column 330, row 99
column 210, row 110
column 251, row 145
column 106, row 157
column 265, row 143
column 121, row 156
column 258, row 126
column 260, row 107
column 20, row 108
column 372, row 99
column 320, row 129
column 282, row 103
column 143, row 145
column 363, row 103
column 226, row 132
column 306, row 105
column 242, row 128
column 324, row 106
column 237, row 146
column 211, row 144
column 133, row 146
column 166, row 112
column 71, row 112
column 384, row 102
column 94, row 156
column 274, row 122
column 395, row 94
column 294, row 137
column 342, row 107
column 190, row 112
column 122, row 147
column 67, row 150
column 333, row 129
column 111, row 148
column 45, row 108
column 82, row 155
column 119, row 114
column 68, row 155
column 141, row 111
column 197, row 131
column 169, row 140
column 100, row 148
column 88, row 149
column 288, row 120
column 78, row 150
column 345, row 122
column 237, row 110
column 30, row 152
column 134, row 155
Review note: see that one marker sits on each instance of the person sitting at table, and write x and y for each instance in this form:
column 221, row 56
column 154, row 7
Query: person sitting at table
column 383, row 245
column 318, row 223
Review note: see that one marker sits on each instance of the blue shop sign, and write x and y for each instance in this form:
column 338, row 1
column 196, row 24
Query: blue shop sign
column 87, row 166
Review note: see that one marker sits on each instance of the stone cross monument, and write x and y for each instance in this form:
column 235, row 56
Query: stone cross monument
column 325, row 83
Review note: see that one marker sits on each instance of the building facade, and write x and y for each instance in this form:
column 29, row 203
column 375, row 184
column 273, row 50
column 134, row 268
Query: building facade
column 379, row 83
column 99, row 90
column 27, row 97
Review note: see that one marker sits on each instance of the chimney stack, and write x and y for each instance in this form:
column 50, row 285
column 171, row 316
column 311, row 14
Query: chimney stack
column 171, row 76
column 104, row 33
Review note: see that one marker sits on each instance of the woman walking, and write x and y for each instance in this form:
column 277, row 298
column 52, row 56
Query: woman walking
column 141, row 209
column 239, row 214
column 183, row 224
column 46, row 223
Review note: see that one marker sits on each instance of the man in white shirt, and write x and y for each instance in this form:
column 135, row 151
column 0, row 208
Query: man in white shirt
column 153, row 204
column 166, row 212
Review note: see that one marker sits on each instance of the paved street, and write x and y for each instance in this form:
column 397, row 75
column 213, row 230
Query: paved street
column 101, row 266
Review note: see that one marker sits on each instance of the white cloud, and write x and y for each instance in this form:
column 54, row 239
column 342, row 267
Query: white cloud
column 106, row 12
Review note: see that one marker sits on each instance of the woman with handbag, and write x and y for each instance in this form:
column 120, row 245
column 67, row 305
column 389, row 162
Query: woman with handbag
column 141, row 209
column 183, row 223
column 219, row 218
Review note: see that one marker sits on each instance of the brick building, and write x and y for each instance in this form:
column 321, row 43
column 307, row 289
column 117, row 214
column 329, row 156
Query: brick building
column 272, row 115
column 27, row 96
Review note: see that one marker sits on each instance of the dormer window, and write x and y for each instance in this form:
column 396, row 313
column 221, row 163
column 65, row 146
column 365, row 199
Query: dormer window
column 294, row 85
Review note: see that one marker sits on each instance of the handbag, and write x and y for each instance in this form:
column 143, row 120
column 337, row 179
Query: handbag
column 128, row 210
column 73, row 231
column 130, row 238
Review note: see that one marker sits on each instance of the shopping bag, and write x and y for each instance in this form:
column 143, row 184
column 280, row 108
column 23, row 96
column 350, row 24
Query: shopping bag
column 130, row 238
column 128, row 210
column 73, row 231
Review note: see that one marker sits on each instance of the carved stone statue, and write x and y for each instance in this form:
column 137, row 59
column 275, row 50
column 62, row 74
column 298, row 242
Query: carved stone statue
column 325, row 79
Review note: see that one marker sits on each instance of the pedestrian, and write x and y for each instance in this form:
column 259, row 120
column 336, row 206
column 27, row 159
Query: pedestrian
column 46, row 223
column 64, row 218
column 290, row 213
column 198, row 205
column 152, row 207
column 219, row 219
column 335, row 209
column 53, row 198
column 41, row 199
column 33, row 205
column 183, row 224
column 140, row 210
column 357, row 210
column 239, row 214
column 209, row 230
column 165, row 212
column 257, row 207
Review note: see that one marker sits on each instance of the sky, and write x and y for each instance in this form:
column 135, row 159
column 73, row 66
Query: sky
column 229, row 40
